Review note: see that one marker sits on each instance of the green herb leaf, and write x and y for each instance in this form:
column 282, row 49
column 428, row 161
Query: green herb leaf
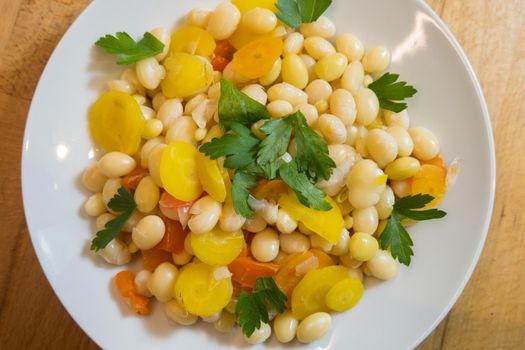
column 276, row 143
column 122, row 203
column 253, row 308
column 306, row 192
column 241, row 184
column 391, row 93
column 237, row 107
column 295, row 12
column 312, row 150
column 240, row 147
column 395, row 235
column 127, row 50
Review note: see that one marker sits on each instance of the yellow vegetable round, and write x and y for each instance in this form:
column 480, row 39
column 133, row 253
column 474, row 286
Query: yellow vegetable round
column 185, row 75
column 178, row 171
column 116, row 122
column 199, row 292
column 211, row 177
column 192, row 40
column 309, row 296
column 345, row 294
column 216, row 247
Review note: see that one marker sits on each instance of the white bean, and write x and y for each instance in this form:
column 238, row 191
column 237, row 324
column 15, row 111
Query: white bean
column 110, row 189
column 205, row 215
column 154, row 162
column 341, row 248
column 147, row 195
column 161, row 282
column 318, row 47
column 294, row 242
column 270, row 77
column 93, row 179
column 405, row 145
column 193, row 103
column 350, row 46
column 331, row 67
column 147, row 148
column 426, row 144
column 401, row 119
column 323, row 28
column 181, row 258
column 285, row 326
column 150, row 72
column 376, row 60
column 364, row 189
column 317, row 241
column 259, row 20
column 285, row 224
column 279, row 108
column 348, row 261
column 386, row 203
column 115, row 253
column 287, row 92
column 204, row 112
column 164, row 37
column 310, row 62
column 332, row 128
column 148, row 232
column 293, row 43
column 401, row 188
column 365, row 220
column 102, row 220
column 212, row 318
column 169, row 111
column 225, row 323
column 353, row 77
column 141, row 283
column 122, row 86
column 256, row 92
column 116, row 164
column 178, row 313
column 342, row 105
column 294, row 71
column 265, row 245
column 314, row 327
column 255, row 224
column 94, row 206
column 318, row 90
column 382, row 265
column 230, row 221
column 182, row 129
column 381, row 146
column 367, row 105
column 132, row 221
column 223, row 21
column 198, row 17
column 309, row 111
column 259, row 335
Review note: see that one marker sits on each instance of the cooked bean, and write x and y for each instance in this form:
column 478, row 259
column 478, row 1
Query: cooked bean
column 116, row 164
column 363, row 246
column 270, row 77
column 181, row 258
column 116, row 253
column 256, row 92
column 94, row 206
column 285, row 224
column 318, row 90
column 169, row 111
column 405, row 145
column 287, row 92
column 426, row 144
column 285, row 326
column 342, row 105
column 150, row 72
column 154, row 162
column 350, row 46
column 294, row 243
column 256, row 224
column 161, row 282
column 225, row 323
column 110, row 189
column 386, row 203
column 318, row 47
column 401, row 188
column 376, row 60
column 397, row 119
column 332, row 128
column 147, row 148
column 182, row 129
column 341, row 248
column 93, row 179
column 280, row 108
column 331, row 66
column 353, row 77
column 314, row 327
column 381, row 146
column 141, row 283
column 152, row 129
column 259, row 20
column 323, row 28
column 402, row 168
column 293, row 43
column 310, row 63
column 260, row 334
column 309, row 111
column 367, row 105
column 147, row 195
column 365, row 220
column 223, row 21
column 230, row 221
column 265, row 245
column 205, row 215
column 319, row 242
column 294, row 71
column 382, row 265
column 178, row 313
column 364, row 189
column 148, row 232
column 348, row 261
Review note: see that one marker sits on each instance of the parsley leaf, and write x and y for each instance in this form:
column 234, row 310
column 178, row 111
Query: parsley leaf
column 122, row 203
column 252, row 308
column 237, row 107
column 239, row 146
column 390, row 93
column 276, row 143
column 127, row 50
column 306, row 192
column 312, row 151
column 396, row 236
column 241, row 184
column 295, row 12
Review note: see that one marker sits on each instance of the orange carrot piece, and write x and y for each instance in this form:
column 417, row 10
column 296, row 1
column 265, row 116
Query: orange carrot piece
column 245, row 270
column 437, row 161
column 174, row 236
column 131, row 181
column 154, row 257
column 168, row 201
column 124, row 280
column 219, row 63
column 268, row 189
column 432, row 180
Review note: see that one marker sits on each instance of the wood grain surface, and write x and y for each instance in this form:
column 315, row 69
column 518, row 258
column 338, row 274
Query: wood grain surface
column 490, row 314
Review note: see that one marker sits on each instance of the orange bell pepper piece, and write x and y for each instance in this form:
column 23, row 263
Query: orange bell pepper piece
column 124, row 280
column 154, row 257
column 174, row 236
column 269, row 189
column 245, row 270
column 132, row 180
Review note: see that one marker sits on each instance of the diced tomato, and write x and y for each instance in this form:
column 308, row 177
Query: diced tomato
column 219, row 63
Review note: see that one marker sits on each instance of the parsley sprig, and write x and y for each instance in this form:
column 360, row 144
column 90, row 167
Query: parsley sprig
column 252, row 158
column 391, row 93
column 127, row 50
column 253, row 307
column 395, row 235
column 295, row 12
column 122, row 203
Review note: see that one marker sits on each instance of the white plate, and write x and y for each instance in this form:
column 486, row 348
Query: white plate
column 395, row 315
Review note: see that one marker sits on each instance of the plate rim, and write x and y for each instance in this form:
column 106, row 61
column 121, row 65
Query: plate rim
column 488, row 129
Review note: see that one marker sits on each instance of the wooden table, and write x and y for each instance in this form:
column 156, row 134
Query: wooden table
column 489, row 315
